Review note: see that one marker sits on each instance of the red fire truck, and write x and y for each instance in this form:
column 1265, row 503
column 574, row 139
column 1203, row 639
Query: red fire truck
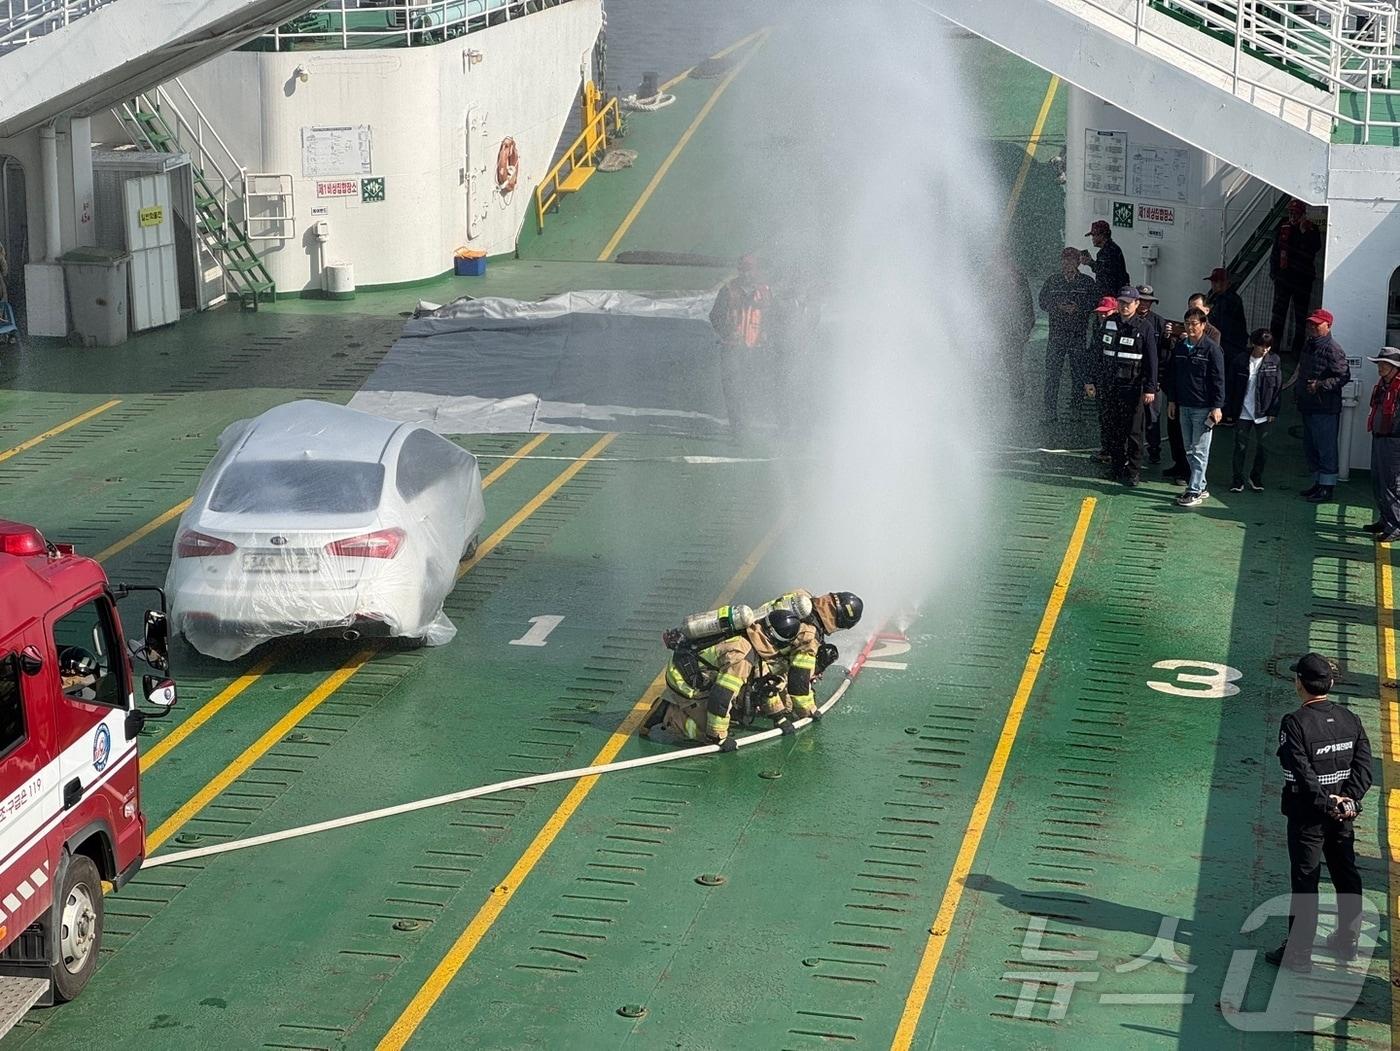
column 70, row 805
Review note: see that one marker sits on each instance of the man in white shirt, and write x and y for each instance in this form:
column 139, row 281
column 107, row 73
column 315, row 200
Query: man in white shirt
column 1253, row 388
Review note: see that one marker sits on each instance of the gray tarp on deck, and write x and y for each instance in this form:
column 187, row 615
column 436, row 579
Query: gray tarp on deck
column 584, row 361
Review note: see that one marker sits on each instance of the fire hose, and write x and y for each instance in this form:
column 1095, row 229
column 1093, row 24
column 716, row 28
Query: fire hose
column 533, row 781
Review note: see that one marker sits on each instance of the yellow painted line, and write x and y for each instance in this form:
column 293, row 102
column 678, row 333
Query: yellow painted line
column 681, row 144
column 466, row 943
column 981, row 810
column 514, row 458
column 1390, row 761
column 204, row 713
column 145, row 531
column 1031, row 147
column 510, row 524
column 255, row 751
column 713, row 58
column 341, row 675
column 51, row 432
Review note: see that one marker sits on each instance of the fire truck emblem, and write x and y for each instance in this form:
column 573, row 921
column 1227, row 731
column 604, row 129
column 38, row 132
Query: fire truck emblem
column 101, row 747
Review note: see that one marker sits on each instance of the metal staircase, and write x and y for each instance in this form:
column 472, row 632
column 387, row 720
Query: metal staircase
column 154, row 121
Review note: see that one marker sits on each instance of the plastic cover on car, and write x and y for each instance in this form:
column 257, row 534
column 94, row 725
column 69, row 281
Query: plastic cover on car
column 317, row 519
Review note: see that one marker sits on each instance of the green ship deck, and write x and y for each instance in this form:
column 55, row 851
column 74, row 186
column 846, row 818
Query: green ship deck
column 1003, row 836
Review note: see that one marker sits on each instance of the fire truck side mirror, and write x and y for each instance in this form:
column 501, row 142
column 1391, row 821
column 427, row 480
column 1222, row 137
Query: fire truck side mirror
column 159, row 691
column 157, row 641
column 31, row 661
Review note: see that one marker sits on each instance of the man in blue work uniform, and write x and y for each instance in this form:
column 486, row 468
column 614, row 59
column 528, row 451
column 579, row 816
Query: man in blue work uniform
column 1326, row 761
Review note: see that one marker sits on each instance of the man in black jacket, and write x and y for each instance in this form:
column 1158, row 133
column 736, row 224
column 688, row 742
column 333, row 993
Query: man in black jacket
column 1326, row 761
column 1227, row 313
column 1253, row 390
column 1321, row 374
column 1126, row 380
column 1110, row 268
column 1293, row 266
column 1068, row 299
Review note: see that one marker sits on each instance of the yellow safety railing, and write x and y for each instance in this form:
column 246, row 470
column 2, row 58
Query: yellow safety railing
column 590, row 144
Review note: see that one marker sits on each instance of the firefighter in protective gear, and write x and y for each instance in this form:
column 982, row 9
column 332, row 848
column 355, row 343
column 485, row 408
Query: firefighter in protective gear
column 810, row 654
column 703, row 688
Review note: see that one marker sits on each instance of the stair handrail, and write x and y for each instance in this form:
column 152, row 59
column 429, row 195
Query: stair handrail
column 50, row 14
column 197, row 128
column 1324, row 53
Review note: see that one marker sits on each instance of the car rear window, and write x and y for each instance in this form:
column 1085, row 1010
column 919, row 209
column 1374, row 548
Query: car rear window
column 304, row 486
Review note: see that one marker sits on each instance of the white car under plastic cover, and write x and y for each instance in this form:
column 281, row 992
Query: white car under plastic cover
column 315, row 518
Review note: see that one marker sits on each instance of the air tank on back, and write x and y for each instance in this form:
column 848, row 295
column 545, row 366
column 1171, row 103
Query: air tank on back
column 704, row 629
column 799, row 603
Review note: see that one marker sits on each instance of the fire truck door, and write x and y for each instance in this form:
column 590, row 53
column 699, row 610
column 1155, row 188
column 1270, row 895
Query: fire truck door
column 99, row 770
column 30, row 797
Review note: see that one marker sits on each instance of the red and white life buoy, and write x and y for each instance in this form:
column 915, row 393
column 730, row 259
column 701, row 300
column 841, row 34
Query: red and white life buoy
column 507, row 165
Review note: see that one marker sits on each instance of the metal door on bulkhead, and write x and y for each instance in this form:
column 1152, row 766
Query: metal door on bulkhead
column 149, row 220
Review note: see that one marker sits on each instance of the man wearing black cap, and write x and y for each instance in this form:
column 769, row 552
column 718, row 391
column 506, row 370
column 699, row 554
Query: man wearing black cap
column 1110, row 269
column 1226, row 310
column 1326, row 762
column 1126, row 381
column 1067, row 298
column 1147, row 303
column 1384, row 425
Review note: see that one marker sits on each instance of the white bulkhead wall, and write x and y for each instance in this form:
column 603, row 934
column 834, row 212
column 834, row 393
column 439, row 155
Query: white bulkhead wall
column 1190, row 245
column 415, row 101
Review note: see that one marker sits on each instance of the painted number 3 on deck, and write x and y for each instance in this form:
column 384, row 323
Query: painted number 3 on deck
column 1206, row 680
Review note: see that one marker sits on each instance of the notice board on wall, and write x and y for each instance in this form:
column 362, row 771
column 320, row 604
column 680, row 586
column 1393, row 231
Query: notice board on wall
column 340, row 150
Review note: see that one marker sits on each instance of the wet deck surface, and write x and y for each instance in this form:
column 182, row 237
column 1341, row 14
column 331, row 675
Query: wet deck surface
column 1116, row 812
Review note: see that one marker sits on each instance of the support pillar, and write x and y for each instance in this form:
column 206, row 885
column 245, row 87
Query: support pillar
column 45, row 293
column 80, row 156
column 1363, row 229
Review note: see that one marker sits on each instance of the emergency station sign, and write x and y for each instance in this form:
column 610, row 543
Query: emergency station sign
column 337, row 187
column 1151, row 213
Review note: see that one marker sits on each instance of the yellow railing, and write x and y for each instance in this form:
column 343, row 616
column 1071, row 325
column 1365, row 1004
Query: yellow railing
column 590, row 145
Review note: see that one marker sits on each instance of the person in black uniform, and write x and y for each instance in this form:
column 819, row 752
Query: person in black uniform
column 1126, row 380
column 1147, row 304
column 1068, row 300
column 1326, row 762
column 1110, row 268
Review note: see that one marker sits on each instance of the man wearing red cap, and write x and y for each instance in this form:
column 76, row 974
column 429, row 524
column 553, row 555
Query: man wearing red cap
column 1226, row 311
column 1110, row 269
column 1321, row 374
column 1293, row 266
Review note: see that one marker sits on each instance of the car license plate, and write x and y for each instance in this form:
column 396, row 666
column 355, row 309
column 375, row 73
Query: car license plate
column 281, row 561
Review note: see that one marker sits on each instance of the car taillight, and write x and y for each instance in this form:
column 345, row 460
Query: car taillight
column 382, row 544
column 191, row 544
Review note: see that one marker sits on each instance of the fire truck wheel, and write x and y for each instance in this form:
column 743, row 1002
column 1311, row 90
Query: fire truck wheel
column 80, row 927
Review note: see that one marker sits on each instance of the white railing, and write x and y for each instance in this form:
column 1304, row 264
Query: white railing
column 345, row 24
column 22, row 21
column 193, row 134
column 1346, row 48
